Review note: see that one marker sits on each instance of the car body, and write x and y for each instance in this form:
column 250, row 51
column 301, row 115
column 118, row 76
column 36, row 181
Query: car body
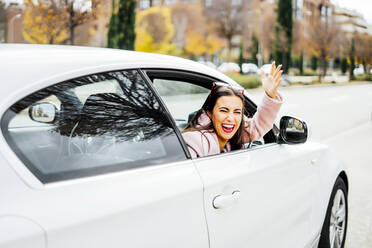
column 208, row 63
column 92, row 155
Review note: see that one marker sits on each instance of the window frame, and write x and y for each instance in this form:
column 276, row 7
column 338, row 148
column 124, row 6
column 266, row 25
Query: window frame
column 196, row 78
column 84, row 173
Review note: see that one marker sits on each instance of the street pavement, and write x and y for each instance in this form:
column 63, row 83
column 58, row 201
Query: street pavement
column 340, row 116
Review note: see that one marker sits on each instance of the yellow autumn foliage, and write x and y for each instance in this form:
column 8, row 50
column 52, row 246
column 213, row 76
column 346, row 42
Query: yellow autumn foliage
column 197, row 45
column 154, row 31
column 43, row 23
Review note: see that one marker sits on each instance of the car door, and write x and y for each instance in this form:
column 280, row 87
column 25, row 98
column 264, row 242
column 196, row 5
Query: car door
column 115, row 175
column 256, row 197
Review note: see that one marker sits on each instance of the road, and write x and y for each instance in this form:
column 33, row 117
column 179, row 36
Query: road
column 340, row 116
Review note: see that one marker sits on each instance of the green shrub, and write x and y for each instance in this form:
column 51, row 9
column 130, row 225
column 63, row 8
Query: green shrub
column 363, row 77
column 246, row 81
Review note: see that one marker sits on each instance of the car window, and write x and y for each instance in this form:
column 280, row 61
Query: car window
column 100, row 123
column 183, row 99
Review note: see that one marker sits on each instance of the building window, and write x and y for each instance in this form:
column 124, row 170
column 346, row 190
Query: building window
column 298, row 6
column 208, row 3
column 169, row 2
column 144, row 4
column 236, row 2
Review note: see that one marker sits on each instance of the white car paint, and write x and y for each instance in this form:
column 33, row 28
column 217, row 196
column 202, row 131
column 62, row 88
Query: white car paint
column 281, row 201
column 262, row 185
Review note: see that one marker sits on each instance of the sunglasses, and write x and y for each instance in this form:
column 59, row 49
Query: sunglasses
column 222, row 84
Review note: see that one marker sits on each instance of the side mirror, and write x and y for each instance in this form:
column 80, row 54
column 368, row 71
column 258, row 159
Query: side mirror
column 292, row 131
column 44, row 112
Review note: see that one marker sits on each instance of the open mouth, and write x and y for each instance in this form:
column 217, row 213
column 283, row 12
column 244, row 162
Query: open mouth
column 228, row 128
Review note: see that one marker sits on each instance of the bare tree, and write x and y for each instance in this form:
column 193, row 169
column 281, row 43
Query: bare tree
column 227, row 18
column 186, row 18
column 363, row 49
column 80, row 12
column 322, row 39
column 260, row 21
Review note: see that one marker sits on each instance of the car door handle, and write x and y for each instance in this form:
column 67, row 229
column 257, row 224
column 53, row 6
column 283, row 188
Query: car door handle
column 222, row 201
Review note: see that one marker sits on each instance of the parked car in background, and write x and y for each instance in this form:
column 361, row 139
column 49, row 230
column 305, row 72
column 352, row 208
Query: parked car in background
column 267, row 67
column 249, row 68
column 358, row 70
column 92, row 156
column 229, row 67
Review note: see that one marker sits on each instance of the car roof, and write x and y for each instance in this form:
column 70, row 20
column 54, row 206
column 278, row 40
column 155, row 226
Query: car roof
column 26, row 65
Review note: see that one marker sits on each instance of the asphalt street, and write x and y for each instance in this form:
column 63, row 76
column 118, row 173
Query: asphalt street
column 340, row 116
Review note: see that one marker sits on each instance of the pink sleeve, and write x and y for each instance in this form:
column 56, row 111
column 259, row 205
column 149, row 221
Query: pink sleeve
column 263, row 119
column 195, row 142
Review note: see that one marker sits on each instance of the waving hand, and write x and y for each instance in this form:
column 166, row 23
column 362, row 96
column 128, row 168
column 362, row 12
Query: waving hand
column 272, row 82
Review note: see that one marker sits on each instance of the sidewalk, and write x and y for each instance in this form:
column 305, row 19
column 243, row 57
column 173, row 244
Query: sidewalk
column 309, row 79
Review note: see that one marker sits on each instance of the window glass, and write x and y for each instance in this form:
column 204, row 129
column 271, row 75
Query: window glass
column 91, row 125
column 181, row 98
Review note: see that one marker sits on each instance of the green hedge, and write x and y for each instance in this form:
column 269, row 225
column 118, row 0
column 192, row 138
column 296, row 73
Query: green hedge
column 363, row 77
column 246, row 81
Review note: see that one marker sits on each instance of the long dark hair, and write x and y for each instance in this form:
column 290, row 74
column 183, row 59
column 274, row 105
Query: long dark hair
column 218, row 91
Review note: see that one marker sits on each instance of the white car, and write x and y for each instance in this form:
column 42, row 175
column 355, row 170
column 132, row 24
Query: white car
column 92, row 156
column 229, row 67
column 358, row 70
column 266, row 68
column 249, row 68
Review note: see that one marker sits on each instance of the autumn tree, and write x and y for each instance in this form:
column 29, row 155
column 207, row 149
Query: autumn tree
column 322, row 39
column 192, row 34
column 254, row 49
column 55, row 21
column 299, row 44
column 363, row 49
column 227, row 18
column 79, row 12
column 260, row 22
column 283, row 34
column 352, row 59
column 155, row 31
column 44, row 22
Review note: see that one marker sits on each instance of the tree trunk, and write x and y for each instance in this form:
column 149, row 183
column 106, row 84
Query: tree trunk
column 72, row 26
column 72, row 35
column 229, row 40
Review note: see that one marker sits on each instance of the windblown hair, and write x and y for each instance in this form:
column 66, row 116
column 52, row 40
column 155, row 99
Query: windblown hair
column 218, row 91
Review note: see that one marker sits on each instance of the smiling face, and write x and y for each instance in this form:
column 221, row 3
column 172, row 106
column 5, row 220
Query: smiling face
column 226, row 117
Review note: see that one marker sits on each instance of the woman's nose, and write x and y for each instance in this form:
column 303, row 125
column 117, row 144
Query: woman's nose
column 230, row 117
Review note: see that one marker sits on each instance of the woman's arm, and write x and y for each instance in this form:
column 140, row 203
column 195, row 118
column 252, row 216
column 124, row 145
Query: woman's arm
column 267, row 111
column 263, row 119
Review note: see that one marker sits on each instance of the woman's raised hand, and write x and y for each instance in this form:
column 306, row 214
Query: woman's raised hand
column 272, row 82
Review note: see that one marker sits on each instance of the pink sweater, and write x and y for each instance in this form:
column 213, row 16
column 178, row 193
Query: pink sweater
column 205, row 143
